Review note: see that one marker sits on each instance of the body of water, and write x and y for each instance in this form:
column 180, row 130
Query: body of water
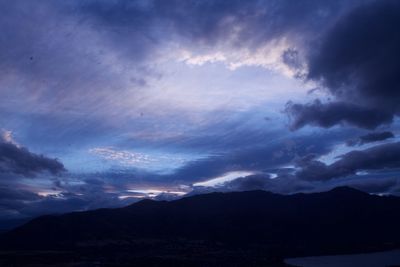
column 377, row 259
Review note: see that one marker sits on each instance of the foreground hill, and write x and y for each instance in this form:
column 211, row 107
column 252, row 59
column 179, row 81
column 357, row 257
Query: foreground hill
column 256, row 225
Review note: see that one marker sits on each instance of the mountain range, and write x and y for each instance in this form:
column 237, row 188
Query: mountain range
column 251, row 228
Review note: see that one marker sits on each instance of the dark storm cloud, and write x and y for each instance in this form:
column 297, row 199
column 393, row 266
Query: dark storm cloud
column 385, row 156
column 370, row 138
column 19, row 160
column 357, row 61
column 330, row 114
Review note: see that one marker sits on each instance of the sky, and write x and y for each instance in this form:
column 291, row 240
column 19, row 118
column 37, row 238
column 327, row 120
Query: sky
column 103, row 103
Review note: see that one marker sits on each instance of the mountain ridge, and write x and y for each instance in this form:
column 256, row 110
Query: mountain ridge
column 342, row 220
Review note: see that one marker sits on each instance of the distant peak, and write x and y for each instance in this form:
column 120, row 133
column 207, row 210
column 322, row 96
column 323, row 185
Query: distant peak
column 346, row 189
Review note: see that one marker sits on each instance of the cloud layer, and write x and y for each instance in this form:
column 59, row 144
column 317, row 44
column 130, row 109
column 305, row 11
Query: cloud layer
column 356, row 61
column 386, row 156
column 329, row 114
column 19, row 160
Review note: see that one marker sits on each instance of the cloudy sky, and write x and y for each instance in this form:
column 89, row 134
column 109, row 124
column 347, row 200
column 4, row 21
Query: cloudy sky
column 105, row 102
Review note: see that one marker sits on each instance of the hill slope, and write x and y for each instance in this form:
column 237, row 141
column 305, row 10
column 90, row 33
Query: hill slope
column 339, row 221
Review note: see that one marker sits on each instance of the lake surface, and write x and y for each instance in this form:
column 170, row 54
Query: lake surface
column 377, row 259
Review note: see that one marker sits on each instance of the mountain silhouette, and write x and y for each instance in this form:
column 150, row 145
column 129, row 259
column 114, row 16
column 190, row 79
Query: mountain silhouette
column 343, row 220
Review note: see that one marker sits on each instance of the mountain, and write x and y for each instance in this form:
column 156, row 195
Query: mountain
column 254, row 225
column 8, row 224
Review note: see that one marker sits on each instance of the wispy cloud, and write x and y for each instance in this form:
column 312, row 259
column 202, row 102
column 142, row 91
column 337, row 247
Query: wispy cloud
column 121, row 156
